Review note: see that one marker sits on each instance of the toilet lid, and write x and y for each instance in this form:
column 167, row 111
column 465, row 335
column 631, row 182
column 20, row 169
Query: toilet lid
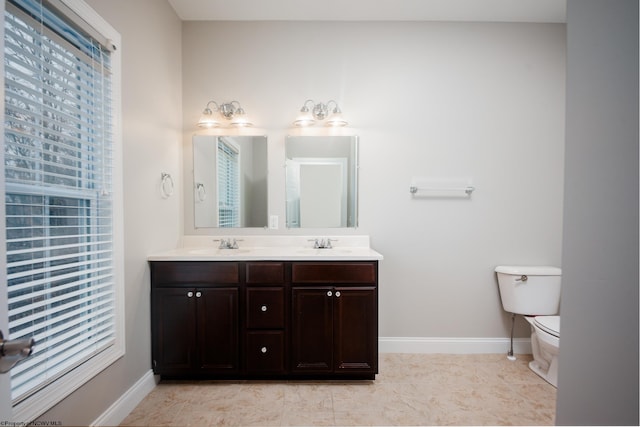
column 549, row 324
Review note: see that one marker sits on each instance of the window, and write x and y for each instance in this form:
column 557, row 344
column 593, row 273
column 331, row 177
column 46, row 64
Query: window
column 228, row 183
column 61, row 199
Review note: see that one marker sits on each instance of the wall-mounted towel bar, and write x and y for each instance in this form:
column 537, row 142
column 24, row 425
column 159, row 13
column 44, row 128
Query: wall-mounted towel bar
column 467, row 190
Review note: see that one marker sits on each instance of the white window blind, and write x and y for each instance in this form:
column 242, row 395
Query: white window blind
column 59, row 194
column 228, row 184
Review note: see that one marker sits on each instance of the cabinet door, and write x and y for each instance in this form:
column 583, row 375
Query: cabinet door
column 173, row 329
column 218, row 330
column 312, row 330
column 355, row 330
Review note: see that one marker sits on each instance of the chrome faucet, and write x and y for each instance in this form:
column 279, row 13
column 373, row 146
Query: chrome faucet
column 230, row 243
column 322, row 243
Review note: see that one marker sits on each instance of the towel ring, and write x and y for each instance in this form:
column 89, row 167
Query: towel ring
column 201, row 192
column 166, row 185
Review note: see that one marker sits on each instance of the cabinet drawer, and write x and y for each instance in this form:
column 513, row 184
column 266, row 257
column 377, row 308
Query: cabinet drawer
column 265, row 352
column 194, row 273
column 265, row 272
column 265, row 307
column 333, row 272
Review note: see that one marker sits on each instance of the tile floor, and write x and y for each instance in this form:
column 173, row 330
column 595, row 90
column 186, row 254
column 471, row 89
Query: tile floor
column 411, row 389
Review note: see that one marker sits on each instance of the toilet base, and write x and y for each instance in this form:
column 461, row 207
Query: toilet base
column 549, row 375
column 545, row 354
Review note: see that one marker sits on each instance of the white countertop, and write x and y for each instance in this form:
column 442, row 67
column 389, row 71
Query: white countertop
column 270, row 248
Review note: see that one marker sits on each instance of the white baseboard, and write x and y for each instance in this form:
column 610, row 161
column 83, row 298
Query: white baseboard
column 453, row 345
column 127, row 402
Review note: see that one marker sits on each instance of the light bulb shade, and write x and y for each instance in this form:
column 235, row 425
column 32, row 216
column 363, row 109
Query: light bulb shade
column 208, row 120
column 240, row 119
column 305, row 118
column 336, row 120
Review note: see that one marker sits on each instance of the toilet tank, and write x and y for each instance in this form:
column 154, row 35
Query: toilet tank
column 530, row 290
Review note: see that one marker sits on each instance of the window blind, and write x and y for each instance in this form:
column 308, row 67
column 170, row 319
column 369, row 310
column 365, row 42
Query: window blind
column 228, row 184
column 59, row 204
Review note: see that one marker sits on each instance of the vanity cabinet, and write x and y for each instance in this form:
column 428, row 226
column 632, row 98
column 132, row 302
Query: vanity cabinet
column 264, row 319
column 335, row 322
column 194, row 318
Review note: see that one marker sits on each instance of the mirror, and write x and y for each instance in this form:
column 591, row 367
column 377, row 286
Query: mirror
column 230, row 181
column 321, row 181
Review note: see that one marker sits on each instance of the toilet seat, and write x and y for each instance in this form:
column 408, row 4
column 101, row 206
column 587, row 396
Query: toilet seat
column 549, row 324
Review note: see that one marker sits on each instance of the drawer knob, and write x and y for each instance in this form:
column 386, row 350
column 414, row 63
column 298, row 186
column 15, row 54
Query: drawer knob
column 329, row 293
column 189, row 294
column 337, row 294
column 263, row 308
column 198, row 294
column 263, row 349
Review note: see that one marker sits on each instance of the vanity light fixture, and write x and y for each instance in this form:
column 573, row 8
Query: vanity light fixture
column 231, row 111
column 320, row 111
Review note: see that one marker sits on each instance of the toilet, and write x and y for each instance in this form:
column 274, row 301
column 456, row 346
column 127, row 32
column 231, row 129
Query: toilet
column 534, row 292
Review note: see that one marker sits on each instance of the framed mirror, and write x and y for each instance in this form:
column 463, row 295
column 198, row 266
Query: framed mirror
column 321, row 181
column 230, row 181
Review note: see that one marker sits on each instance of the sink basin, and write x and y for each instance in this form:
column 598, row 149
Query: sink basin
column 217, row 251
column 332, row 251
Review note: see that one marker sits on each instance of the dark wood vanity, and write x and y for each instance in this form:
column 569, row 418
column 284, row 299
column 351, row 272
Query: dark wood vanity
column 265, row 319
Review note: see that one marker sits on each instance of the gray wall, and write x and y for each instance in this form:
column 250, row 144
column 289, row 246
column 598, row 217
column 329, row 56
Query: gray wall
column 598, row 361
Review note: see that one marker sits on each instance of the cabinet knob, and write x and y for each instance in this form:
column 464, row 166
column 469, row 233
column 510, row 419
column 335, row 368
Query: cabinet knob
column 337, row 294
column 263, row 349
column 189, row 294
column 263, row 308
column 329, row 293
column 198, row 294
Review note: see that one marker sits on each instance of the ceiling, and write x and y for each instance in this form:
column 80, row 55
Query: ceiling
column 553, row 11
